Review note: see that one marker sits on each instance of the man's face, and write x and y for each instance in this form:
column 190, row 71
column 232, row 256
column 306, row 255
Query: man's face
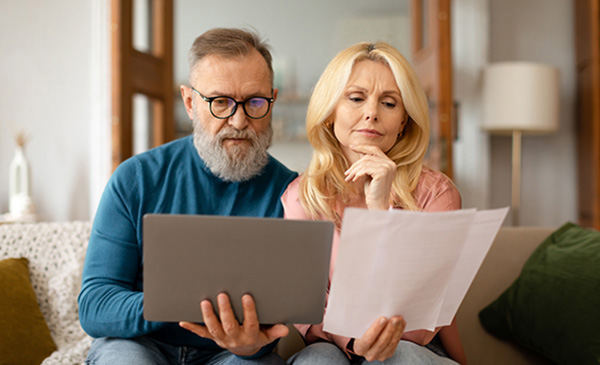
column 233, row 148
column 239, row 78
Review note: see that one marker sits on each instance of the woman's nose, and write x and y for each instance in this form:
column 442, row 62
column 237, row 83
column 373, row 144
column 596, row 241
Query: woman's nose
column 371, row 111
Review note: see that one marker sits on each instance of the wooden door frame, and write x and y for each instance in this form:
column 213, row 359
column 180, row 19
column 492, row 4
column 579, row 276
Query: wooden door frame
column 135, row 72
column 434, row 53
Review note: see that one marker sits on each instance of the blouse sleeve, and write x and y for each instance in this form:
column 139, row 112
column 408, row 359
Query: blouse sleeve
column 437, row 193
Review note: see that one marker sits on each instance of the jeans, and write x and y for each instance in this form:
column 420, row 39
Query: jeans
column 326, row 353
column 145, row 351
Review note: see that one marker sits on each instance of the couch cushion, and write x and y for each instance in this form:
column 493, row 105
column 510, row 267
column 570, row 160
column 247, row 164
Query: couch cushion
column 56, row 252
column 552, row 307
column 24, row 334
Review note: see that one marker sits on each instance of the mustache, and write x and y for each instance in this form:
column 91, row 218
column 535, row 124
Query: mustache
column 235, row 133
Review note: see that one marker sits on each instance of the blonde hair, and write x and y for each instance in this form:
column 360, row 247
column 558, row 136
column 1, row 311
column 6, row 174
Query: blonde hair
column 322, row 186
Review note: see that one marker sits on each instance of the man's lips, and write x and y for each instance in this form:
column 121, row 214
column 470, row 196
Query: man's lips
column 235, row 140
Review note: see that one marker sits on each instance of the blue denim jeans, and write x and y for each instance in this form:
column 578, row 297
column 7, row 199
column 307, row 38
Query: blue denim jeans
column 145, row 350
column 325, row 353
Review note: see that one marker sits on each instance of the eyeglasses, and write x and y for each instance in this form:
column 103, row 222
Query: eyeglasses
column 223, row 107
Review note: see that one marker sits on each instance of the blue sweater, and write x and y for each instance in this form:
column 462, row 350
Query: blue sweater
column 168, row 179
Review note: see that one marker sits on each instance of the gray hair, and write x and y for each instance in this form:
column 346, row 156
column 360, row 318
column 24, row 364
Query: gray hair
column 229, row 42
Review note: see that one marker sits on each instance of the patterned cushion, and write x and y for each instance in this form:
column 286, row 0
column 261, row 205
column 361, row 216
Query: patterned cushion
column 56, row 252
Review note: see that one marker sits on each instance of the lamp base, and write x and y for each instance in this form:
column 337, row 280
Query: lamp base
column 515, row 201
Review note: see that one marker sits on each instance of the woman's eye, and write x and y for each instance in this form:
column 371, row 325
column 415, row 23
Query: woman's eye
column 389, row 104
column 356, row 98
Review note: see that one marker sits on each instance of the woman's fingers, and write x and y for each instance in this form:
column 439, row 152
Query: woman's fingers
column 363, row 344
column 398, row 324
column 381, row 340
column 365, row 149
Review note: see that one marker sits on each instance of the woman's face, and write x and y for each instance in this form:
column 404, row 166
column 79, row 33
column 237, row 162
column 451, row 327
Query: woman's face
column 370, row 111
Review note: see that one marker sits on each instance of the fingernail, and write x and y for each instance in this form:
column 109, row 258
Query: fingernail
column 382, row 320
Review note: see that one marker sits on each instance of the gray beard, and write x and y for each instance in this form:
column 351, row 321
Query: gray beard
column 236, row 163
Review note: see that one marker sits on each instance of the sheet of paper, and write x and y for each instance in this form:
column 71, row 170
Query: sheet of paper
column 479, row 240
column 399, row 262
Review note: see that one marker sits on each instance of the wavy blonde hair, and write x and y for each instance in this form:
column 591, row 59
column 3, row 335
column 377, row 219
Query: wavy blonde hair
column 322, row 186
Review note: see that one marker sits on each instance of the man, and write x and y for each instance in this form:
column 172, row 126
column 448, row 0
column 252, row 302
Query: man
column 223, row 169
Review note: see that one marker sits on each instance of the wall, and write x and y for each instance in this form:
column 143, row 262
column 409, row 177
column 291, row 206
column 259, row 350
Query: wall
column 45, row 78
column 51, row 87
column 538, row 31
column 470, row 53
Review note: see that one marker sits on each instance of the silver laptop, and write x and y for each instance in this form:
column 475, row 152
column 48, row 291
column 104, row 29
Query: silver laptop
column 283, row 263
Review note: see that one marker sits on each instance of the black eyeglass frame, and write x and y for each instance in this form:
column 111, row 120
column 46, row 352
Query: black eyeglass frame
column 209, row 100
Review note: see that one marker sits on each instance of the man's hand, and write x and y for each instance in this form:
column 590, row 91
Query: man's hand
column 380, row 341
column 244, row 340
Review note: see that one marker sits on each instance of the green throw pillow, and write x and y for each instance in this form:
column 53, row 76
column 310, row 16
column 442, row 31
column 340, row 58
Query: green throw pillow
column 24, row 334
column 554, row 305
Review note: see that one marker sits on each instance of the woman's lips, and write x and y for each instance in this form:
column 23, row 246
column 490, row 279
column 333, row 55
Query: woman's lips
column 369, row 132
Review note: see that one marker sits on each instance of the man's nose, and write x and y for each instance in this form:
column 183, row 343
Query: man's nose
column 239, row 119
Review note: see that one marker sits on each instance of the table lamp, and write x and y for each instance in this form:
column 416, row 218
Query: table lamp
column 520, row 98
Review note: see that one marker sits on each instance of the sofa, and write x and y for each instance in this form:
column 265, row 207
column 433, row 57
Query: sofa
column 55, row 254
column 56, row 251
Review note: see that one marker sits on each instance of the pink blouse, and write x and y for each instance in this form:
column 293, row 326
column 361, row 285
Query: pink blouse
column 435, row 192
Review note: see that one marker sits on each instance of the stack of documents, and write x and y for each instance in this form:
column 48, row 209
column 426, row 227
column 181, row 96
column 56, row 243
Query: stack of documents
column 415, row 264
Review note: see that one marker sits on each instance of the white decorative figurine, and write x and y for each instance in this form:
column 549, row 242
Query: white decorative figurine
column 21, row 207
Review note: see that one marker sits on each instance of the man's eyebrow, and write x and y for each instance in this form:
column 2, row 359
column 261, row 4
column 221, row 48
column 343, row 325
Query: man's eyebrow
column 216, row 93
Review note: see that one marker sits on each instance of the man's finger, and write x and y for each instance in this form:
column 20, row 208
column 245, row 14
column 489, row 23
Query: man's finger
column 198, row 329
column 250, row 316
column 212, row 323
column 229, row 323
column 276, row 331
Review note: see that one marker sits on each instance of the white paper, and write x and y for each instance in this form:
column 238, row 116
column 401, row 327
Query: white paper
column 418, row 265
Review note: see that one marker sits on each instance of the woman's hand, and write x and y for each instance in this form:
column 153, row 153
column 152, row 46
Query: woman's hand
column 244, row 340
column 378, row 171
column 381, row 340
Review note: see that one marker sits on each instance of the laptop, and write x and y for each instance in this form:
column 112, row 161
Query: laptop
column 283, row 263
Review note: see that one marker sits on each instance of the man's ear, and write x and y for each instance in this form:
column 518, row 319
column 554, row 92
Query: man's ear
column 275, row 91
column 186, row 96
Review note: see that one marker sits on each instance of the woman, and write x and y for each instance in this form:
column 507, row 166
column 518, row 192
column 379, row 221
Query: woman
column 368, row 122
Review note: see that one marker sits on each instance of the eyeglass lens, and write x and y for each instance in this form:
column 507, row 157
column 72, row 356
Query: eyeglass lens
column 223, row 107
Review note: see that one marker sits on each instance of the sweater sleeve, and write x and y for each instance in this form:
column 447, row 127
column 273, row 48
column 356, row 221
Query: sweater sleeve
column 111, row 298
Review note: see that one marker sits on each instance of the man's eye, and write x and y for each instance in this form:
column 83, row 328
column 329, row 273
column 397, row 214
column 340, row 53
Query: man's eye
column 221, row 101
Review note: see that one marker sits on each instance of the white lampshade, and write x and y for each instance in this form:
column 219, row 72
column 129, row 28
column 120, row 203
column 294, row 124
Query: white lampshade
column 520, row 96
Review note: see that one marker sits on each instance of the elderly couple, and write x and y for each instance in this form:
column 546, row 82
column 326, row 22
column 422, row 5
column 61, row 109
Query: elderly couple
column 368, row 122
